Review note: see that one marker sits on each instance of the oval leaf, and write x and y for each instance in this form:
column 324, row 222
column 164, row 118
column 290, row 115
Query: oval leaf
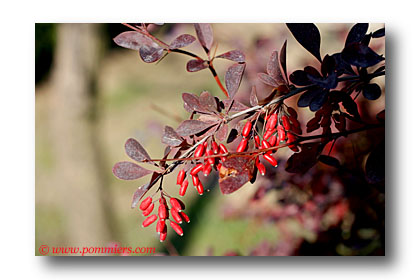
column 126, row 170
column 135, row 150
column 235, row 172
column 182, row 41
column 360, row 55
column 191, row 127
column 306, row 98
column 235, row 55
column 170, row 137
column 150, row 53
column 222, row 132
column 204, row 34
column 131, row 40
column 300, row 78
column 207, row 101
column 233, row 78
column 357, row 33
column 273, row 67
column 191, row 103
column 195, row 65
column 266, row 79
column 372, row 91
column 138, row 194
column 307, row 34
column 379, row 33
column 318, row 101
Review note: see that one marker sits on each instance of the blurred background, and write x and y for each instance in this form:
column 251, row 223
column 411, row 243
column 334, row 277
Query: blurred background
column 91, row 96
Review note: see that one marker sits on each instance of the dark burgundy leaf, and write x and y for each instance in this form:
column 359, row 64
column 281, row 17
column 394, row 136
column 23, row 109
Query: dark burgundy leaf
column 131, row 40
column 356, row 33
column 379, row 33
column 182, row 41
column 191, row 103
column 150, row 53
column 360, row 55
column 233, row 78
column 195, row 65
column 235, row 172
column 233, row 134
column 300, row 78
column 350, row 105
column 236, row 106
column 372, row 91
column 267, row 80
column 318, row 101
column 303, row 161
column 306, row 98
column 208, row 102
column 138, row 194
column 330, row 82
column 273, row 68
column 221, row 134
column 341, row 65
column 135, row 150
column 126, row 170
column 170, row 137
column 205, row 35
column 366, row 40
column 312, row 71
column 329, row 160
column 328, row 65
column 375, row 164
column 282, row 60
column 253, row 99
column 191, row 127
column 307, row 34
column 235, row 55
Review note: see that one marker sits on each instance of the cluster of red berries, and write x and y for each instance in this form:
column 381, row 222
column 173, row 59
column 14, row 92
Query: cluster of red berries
column 205, row 166
column 177, row 214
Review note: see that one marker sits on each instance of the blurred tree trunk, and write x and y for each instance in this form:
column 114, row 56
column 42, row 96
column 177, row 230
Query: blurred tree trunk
column 77, row 147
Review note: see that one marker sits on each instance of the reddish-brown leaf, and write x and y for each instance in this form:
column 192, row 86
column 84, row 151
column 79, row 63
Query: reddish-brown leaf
column 282, row 61
column 191, row 103
column 204, row 34
column 182, row 41
column 138, row 194
column 191, row 127
column 235, row 55
column 207, row 101
column 135, row 150
column 233, row 78
column 126, row 170
column 303, row 161
column 131, row 40
column 266, row 79
column 273, row 68
column 195, row 65
column 234, row 106
column 235, row 172
column 151, row 52
column 221, row 134
column 253, row 99
column 170, row 137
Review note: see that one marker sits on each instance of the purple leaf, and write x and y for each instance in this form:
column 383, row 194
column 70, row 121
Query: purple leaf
column 267, row 80
column 235, row 172
column 221, row 134
column 131, row 40
column 195, row 65
column 233, row 78
column 135, row 150
column 304, row 160
column 372, row 91
column 171, row 138
column 126, row 170
column 282, row 60
column 191, row 127
column 208, row 102
column 138, row 194
column 253, row 99
column 235, row 106
column 235, row 55
column 273, row 68
column 205, row 35
column 328, row 65
column 182, row 41
column 357, row 33
column 300, row 78
column 307, row 34
column 150, row 53
column 379, row 33
column 191, row 103
column 360, row 55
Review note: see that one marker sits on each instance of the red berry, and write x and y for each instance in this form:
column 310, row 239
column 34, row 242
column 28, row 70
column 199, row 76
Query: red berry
column 272, row 141
column 257, row 141
column 215, row 148
column 175, row 204
column 247, row 129
column 200, row 188
column 218, row 166
column 160, row 226
column 211, row 160
column 184, row 217
column 199, row 150
column 163, row 234
column 242, row 145
column 223, row 149
column 207, row 169
column 286, row 123
column 267, row 134
column 162, row 200
column 272, row 121
column 197, row 169
column 148, row 210
column 270, row 159
column 281, row 133
column 261, row 168
column 183, row 188
column 195, row 180
column 149, row 220
column 145, row 203
column 265, row 144
column 290, row 139
column 177, row 228
column 181, row 176
column 163, row 211
column 176, row 216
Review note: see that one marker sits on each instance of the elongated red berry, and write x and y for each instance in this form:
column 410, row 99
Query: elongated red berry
column 196, row 169
column 247, row 129
column 211, row 160
column 163, row 234
column 267, row 134
column 265, row 144
column 176, row 216
column 148, row 210
column 199, row 150
column 223, row 150
column 281, row 133
column 200, row 188
column 184, row 217
column 242, row 145
column 271, row 160
column 261, row 168
column 163, row 211
column 180, row 177
column 273, row 140
column 207, row 169
column 195, row 180
column 162, row 200
column 149, row 220
column 257, row 141
column 290, row 139
column 286, row 123
column 218, row 166
column 215, row 148
column 272, row 121
column 177, row 228
column 175, row 204
column 145, row 203
column 160, row 226
column 183, row 188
